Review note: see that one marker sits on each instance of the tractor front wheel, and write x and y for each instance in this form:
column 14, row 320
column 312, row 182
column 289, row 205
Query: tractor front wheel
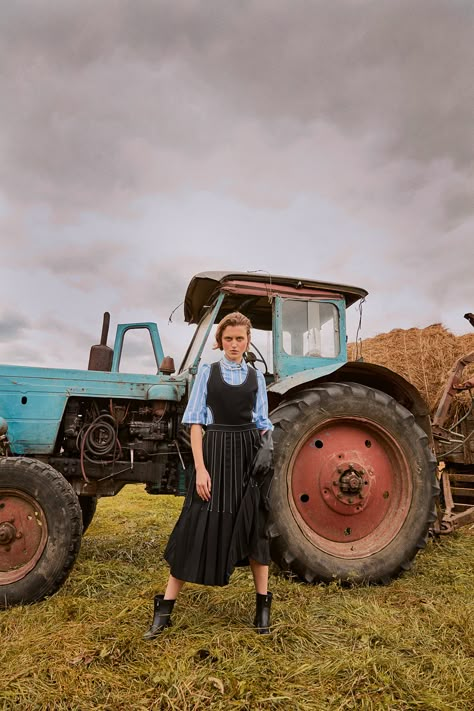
column 40, row 530
column 354, row 488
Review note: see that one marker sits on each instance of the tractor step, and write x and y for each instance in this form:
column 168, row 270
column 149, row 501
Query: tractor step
column 458, row 494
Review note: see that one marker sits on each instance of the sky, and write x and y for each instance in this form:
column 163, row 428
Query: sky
column 142, row 141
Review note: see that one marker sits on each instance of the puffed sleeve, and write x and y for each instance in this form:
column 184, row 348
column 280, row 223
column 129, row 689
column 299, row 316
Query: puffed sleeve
column 196, row 410
column 261, row 405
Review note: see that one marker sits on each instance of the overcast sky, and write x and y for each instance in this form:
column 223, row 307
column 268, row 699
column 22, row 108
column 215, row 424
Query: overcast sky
column 142, row 141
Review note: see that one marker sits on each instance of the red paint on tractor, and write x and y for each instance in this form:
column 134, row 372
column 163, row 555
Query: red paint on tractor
column 350, row 483
column 23, row 535
column 269, row 289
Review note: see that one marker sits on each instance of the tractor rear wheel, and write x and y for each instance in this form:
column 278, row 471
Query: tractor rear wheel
column 354, row 488
column 40, row 530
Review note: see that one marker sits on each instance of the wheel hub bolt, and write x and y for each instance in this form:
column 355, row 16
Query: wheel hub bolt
column 7, row 533
column 351, row 482
column 354, row 482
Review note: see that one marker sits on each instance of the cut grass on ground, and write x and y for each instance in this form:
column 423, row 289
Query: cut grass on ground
column 409, row 645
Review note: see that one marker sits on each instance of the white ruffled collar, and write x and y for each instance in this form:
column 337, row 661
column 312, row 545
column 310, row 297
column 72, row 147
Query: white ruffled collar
column 232, row 365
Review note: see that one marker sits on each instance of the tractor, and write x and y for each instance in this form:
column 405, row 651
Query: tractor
column 355, row 488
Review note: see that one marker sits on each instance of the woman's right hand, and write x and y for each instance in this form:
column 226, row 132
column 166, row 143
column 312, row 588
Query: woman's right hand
column 203, row 483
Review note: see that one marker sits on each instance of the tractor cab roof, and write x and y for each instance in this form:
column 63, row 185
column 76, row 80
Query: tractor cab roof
column 252, row 292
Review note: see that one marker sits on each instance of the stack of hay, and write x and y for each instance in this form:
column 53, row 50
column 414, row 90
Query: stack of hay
column 424, row 356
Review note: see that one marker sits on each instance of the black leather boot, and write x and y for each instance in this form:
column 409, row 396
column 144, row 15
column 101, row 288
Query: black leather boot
column 161, row 617
column 262, row 613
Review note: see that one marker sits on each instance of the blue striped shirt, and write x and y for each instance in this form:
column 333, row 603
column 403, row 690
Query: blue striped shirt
column 197, row 412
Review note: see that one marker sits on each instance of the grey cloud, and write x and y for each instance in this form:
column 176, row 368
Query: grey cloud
column 70, row 332
column 79, row 259
column 108, row 105
column 21, row 354
column 12, row 325
column 459, row 205
column 108, row 101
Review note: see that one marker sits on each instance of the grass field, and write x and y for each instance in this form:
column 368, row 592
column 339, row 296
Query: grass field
column 409, row 645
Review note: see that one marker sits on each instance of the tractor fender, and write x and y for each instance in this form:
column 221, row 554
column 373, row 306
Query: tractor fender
column 373, row 376
column 304, row 377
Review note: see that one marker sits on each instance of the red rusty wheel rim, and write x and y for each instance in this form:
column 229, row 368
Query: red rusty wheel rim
column 23, row 534
column 349, row 487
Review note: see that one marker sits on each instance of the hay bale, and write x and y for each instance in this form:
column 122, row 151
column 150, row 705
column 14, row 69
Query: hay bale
column 424, row 356
column 466, row 342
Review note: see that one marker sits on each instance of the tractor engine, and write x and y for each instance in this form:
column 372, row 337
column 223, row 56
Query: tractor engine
column 127, row 440
column 146, row 429
column 112, row 442
column 106, row 431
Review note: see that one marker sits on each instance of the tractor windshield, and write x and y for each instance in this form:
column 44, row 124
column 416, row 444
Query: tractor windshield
column 198, row 340
column 310, row 328
column 202, row 344
column 261, row 346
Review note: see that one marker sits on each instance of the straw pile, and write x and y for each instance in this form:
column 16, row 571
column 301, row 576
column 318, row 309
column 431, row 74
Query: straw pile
column 424, row 356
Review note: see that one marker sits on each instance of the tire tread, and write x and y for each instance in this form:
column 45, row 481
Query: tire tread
column 37, row 469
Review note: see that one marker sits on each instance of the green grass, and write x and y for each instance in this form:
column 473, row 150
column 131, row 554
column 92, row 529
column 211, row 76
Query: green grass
column 409, row 645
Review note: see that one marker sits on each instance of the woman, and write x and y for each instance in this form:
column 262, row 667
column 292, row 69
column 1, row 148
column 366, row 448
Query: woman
column 223, row 520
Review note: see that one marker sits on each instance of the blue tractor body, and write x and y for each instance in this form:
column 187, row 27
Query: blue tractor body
column 33, row 400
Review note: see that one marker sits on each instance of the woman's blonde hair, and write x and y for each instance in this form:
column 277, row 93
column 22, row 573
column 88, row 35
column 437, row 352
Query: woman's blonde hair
column 233, row 319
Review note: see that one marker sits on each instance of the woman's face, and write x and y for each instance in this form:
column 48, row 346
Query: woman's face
column 234, row 342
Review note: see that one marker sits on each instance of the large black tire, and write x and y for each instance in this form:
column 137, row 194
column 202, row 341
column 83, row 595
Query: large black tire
column 88, row 506
column 354, row 489
column 40, row 530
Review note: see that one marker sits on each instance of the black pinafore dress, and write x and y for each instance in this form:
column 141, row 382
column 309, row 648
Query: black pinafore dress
column 205, row 544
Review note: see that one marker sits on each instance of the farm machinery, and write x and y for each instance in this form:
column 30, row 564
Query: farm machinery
column 454, row 443
column 355, row 488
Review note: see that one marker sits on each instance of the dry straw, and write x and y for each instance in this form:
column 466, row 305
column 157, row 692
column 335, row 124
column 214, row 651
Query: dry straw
column 408, row 646
column 424, row 356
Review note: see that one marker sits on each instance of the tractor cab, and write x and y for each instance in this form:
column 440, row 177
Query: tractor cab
column 299, row 325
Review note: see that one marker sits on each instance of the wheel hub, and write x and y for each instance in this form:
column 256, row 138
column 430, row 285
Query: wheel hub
column 350, row 485
column 23, row 535
column 7, row 533
column 352, row 479
column 345, row 485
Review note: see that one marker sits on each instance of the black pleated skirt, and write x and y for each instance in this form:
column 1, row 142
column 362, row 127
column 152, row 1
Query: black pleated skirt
column 211, row 537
